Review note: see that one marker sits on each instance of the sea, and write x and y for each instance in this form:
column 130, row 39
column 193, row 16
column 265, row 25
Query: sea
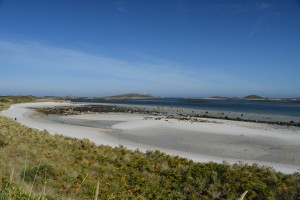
column 285, row 108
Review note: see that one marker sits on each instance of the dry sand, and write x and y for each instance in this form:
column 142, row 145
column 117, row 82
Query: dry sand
column 214, row 140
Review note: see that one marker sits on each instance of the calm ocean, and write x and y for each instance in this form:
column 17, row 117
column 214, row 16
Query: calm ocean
column 260, row 107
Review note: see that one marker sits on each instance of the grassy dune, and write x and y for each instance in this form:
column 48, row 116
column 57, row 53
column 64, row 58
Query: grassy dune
column 37, row 165
column 6, row 101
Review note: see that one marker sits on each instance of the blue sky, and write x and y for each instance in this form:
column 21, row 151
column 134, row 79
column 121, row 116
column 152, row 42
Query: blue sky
column 163, row 47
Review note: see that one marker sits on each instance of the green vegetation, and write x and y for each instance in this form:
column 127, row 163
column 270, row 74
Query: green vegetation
column 37, row 165
column 6, row 101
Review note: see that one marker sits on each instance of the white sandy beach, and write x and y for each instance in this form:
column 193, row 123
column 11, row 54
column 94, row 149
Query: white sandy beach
column 214, row 140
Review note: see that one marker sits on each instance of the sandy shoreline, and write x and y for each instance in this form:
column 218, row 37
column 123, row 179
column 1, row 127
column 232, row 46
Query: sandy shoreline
column 214, row 140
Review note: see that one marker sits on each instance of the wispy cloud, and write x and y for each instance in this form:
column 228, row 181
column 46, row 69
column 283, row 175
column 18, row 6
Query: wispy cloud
column 262, row 22
column 47, row 63
column 238, row 8
column 122, row 9
column 121, row 6
column 263, row 5
column 40, row 67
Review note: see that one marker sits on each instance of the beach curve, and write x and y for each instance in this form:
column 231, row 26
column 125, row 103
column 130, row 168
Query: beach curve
column 216, row 140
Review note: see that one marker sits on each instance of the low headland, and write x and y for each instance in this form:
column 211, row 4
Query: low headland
column 119, row 97
column 251, row 97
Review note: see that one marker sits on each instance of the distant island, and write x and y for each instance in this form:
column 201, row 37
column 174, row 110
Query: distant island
column 218, row 97
column 253, row 96
column 249, row 97
column 130, row 96
column 126, row 96
column 116, row 97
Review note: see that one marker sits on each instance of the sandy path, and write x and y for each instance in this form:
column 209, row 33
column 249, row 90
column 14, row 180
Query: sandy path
column 216, row 140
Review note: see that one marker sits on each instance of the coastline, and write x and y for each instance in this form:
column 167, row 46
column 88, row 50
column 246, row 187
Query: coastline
column 212, row 140
column 248, row 110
